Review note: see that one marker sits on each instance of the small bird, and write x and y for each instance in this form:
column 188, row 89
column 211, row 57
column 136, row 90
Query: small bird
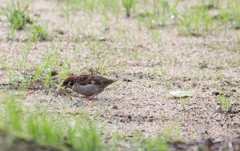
column 87, row 85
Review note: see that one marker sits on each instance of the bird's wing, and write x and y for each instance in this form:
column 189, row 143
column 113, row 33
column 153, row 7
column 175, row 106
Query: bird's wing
column 93, row 79
column 84, row 79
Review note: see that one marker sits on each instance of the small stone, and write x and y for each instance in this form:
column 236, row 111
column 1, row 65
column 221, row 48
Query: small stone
column 215, row 93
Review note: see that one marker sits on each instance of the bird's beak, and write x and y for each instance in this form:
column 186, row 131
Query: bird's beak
column 64, row 85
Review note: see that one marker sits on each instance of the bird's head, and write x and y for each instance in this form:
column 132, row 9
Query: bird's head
column 69, row 81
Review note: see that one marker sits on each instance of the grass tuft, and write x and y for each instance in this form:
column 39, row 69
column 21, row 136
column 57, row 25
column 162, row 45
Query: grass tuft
column 17, row 17
column 39, row 34
column 37, row 126
column 128, row 6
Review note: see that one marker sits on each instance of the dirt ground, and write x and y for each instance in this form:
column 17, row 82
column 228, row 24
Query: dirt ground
column 207, row 64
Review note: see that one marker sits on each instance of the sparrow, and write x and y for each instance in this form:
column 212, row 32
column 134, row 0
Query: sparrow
column 87, row 85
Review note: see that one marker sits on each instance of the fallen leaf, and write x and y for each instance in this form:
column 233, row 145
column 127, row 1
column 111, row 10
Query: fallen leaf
column 182, row 93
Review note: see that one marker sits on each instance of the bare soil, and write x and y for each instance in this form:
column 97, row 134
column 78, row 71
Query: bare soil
column 208, row 65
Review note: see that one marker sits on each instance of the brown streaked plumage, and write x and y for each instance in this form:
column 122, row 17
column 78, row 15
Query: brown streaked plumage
column 87, row 85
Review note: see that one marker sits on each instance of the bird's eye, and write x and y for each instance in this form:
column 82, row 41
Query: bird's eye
column 71, row 83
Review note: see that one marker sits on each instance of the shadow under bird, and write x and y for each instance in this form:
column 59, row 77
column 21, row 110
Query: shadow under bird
column 88, row 85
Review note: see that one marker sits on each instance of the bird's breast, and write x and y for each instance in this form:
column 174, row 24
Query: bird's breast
column 88, row 90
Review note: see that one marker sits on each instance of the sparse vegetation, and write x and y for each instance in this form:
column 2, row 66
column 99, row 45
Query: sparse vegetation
column 160, row 46
column 225, row 102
